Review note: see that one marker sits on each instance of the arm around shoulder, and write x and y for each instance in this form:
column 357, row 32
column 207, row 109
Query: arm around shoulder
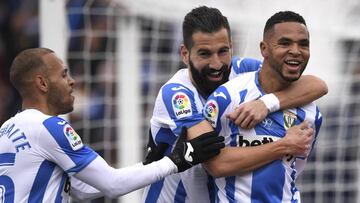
column 301, row 92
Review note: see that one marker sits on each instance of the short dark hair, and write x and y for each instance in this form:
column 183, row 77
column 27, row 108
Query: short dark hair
column 204, row 19
column 282, row 17
column 25, row 64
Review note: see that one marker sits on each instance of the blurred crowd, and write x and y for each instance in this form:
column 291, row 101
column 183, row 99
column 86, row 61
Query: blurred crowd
column 19, row 30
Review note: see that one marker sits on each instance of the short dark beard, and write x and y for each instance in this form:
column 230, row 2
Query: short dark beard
column 278, row 69
column 55, row 101
column 204, row 86
column 287, row 79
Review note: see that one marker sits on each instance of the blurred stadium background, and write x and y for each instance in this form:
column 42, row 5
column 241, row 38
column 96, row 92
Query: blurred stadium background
column 120, row 52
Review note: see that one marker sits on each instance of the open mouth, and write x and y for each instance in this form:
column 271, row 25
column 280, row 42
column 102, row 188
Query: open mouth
column 215, row 75
column 71, row 94
column 293, row 65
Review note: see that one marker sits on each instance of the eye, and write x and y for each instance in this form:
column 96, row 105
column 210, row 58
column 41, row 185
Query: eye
column 65, row 73
column 284, row 43
column 304, row 43
column 204, row 54
column 224, row 51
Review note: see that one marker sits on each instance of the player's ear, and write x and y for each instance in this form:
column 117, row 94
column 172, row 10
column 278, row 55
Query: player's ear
column 263, row 49
column 41, row 83
column 231, row 47
column 184, row 54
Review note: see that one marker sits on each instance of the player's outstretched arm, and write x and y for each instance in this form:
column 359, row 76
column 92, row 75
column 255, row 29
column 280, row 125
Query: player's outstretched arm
column 307, row 89
column 82, row 191
column 235, row 160
column 116, row 182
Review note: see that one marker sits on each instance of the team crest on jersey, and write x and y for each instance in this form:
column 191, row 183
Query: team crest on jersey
column 181, row 105
column 73, row 138
column 289, row 119
column 211, row 111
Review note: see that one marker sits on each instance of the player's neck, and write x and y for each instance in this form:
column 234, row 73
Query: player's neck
column 270, row 81
column 40, row 106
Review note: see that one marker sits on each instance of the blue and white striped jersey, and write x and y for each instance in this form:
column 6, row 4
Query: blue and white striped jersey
column 37, row 154
column 274, row 182
column 179, row 104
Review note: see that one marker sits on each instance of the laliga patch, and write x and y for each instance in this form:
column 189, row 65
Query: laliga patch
column 289, row 119
column 211, row 111
column 181, row 105
column 73, row 138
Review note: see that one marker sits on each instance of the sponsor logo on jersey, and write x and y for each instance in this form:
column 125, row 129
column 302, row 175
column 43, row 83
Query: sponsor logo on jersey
column 211, row 111
column 289, row 119
column 73, row 138
column 221, row 94
column 178, row 88
column 61, row 122
column 267, row 123
column 189, row 150
column 255, row 140
column 238, row 63
column 181, row 105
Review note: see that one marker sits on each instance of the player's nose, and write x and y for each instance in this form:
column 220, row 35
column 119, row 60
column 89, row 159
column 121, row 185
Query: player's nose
column 71, row 80
column 215, row 62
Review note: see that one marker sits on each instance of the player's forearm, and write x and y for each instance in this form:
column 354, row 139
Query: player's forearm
column 116, row 182
column 82, row 191
column 199, row 129
column 307, row 89
column 236, row 160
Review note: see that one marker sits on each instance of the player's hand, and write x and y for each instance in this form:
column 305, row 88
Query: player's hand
column 299, row 139
column 154, row 152
column 189, row 153
column 248, row 114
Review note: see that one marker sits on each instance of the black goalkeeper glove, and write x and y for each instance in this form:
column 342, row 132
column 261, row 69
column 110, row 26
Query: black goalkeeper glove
column 189, row 153
column 154, row 152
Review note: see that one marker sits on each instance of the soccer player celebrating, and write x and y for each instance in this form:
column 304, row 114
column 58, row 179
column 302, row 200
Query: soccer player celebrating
column 41, row 154
column 207, row 52
column 286, row 51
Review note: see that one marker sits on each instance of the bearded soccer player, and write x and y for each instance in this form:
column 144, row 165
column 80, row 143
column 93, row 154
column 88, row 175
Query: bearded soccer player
column 207, row 52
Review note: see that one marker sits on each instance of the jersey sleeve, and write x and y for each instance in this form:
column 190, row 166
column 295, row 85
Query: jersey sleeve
column 181, row 108
column 243, row 65
column 216, row 106
column 62, row 145
column 116, row 182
